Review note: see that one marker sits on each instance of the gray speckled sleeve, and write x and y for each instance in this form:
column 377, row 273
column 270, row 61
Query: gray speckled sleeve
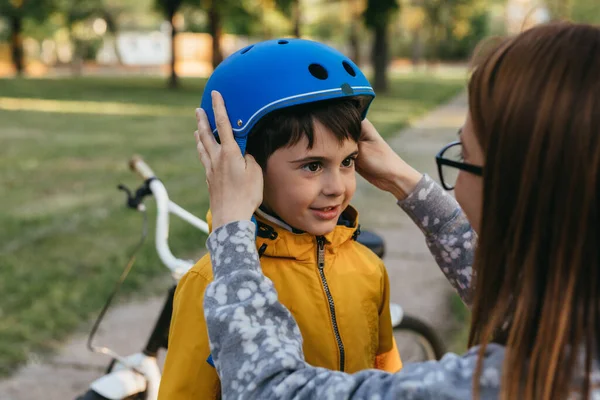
column 257, row 346
column 448, row 234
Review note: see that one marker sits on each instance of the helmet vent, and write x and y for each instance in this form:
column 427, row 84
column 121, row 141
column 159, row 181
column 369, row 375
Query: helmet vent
column 283, row 42
column 318, row 71
column 349, row 68
column 247, row 49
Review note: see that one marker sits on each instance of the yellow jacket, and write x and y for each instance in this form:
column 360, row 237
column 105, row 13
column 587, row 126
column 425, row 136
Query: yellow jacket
column 342, row 309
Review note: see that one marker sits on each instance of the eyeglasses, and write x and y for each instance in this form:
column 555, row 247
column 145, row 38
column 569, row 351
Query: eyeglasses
column 449, row 161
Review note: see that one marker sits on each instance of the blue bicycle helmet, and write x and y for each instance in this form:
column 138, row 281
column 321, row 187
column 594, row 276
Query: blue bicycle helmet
column 275, row 74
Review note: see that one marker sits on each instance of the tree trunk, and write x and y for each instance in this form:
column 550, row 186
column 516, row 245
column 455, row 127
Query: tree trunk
column 297, row 14
column 354, row 43
column 76, row 57
column 433, row 45
column 417, row 48
column 112, row 40
column 379, row 58
column 215, row 29
column 354, row 40
column 16, row 42
column 173, row 80
column 113, row 33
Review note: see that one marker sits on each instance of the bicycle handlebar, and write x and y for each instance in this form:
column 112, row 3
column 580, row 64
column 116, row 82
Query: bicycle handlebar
column 164, row 207
column 139, row 166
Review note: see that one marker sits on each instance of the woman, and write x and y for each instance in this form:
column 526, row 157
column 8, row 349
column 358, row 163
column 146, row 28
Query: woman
column 529, row 184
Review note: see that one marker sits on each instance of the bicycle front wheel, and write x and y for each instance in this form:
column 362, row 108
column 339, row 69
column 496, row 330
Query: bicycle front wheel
column 417, row 341
column 92, row 395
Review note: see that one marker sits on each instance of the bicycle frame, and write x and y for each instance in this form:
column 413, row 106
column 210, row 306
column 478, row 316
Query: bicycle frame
column 139, row 373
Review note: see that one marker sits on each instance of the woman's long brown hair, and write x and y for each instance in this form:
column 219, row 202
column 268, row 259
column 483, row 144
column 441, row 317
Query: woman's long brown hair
column 535, row 106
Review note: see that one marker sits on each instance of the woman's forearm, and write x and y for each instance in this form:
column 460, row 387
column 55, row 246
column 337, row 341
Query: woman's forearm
column 403, row 181
column 448, row 234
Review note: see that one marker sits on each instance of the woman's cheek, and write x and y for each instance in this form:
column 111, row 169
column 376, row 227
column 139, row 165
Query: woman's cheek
column 468, row 192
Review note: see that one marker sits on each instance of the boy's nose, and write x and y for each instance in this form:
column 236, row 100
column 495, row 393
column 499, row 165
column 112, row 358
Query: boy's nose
column 334, row 185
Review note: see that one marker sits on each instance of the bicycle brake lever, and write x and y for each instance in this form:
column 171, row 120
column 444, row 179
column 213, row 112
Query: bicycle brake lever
column 125, row 189
column 132, row 201
column 136, row 201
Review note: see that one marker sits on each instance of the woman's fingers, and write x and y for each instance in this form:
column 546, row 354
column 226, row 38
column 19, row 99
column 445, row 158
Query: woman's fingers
column 254, row 176
column 222, row 120
column 202, row 154
column 205, row 132
column 235, row 183
column 369, row 132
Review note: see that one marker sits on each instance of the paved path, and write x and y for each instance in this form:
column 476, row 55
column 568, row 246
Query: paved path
column 416, row 282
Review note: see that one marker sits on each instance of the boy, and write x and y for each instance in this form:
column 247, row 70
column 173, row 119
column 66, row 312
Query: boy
column 302, row 126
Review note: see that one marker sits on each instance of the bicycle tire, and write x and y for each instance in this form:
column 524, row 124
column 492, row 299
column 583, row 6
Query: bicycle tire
column 92, row 395
column 430, row 338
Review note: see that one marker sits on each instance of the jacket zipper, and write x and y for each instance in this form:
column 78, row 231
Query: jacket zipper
column 336, row 332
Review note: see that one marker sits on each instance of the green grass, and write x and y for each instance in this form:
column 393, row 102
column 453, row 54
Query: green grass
column 411, row 96
column 65, row 231
column 459, row 335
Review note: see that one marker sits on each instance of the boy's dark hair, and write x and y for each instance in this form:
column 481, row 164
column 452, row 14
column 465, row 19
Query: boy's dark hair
column 287, row 126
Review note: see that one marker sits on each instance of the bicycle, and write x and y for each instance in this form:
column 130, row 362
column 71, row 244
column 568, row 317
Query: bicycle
column 137, row 376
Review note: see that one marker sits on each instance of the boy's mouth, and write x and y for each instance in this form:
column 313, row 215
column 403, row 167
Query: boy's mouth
column 326, row 213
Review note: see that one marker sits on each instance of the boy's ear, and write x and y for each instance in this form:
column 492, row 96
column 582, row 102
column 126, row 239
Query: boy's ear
column 264, row 167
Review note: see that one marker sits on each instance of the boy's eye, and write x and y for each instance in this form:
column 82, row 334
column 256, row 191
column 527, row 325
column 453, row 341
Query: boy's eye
column 312, row 167
column 348, row 162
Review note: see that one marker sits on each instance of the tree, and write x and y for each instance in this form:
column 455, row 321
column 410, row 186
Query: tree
column 243, row 14
column 452, row 19
column 215, row 10
column 377, row 18
column 215, row 28
column 296, row 17
column 132, row 15
column 16, row 11
column 586, row 11
column 110, row 13
column 293, row 10
column 465, row 36
column 169, row 9
column 435, row 14
column 412, row 21
column 353, row 38
column 75, row 12
column 560, row 9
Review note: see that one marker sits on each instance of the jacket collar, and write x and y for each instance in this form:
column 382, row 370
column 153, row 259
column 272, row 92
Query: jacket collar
column 277, row 239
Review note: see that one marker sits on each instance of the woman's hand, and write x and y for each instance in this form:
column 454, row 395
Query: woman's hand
column 382, row 167
column 235, row 183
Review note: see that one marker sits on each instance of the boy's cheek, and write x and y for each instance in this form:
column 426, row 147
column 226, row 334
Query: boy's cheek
column 350, row 188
